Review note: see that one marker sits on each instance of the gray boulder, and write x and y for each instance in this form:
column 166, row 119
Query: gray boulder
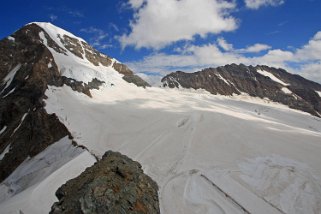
column 115, row 184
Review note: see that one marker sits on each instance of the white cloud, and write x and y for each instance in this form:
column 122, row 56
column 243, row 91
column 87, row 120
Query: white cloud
column 154, row 80
column 276, row 58
column 312, row 50
column 224, row 44
column 256, row 4
column 311, row 71
column 190, row 59
column 307, row 59
column 158, row 23
column 53, row 17
column 210, row 55
column 136, row 3
column 256, row 48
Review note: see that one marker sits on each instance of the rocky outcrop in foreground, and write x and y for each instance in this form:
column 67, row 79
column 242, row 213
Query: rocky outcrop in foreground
column 115, row 184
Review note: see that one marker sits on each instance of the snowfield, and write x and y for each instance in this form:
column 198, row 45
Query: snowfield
column 31, row 187
column 8, row 79
column 272, row 77
column 209, row 154
column 277, row 179
column 200, row 148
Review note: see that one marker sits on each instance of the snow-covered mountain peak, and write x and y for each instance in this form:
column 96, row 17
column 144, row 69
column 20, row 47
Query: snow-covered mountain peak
column 77, row 60
column 37, row 57
column 55, row 31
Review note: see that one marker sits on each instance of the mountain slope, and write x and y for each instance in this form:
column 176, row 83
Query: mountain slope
column 260, row 81
column 26, row 127
column 35, row 57
column 199, row 147
column 204, row 151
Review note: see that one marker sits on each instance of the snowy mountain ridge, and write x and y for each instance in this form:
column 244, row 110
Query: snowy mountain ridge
column 208, row 154
column 77, row 60
column 36, row 149
column 258, row 81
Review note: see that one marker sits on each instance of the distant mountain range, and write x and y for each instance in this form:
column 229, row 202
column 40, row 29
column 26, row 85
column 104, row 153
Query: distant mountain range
column 260, row 81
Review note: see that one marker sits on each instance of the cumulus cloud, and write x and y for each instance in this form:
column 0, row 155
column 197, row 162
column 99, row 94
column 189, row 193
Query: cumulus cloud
column 256, row 48
column 256, row 4
column 224, row 44
column 192, row 58
column 312, row 50
column 307, row 59
column 276, row 58
column 158, row 23
column 136, row 3
column 311, row 71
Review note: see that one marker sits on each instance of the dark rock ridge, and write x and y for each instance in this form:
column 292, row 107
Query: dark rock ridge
column 293, row 90
column 26, row 128
column 115, row 184
column 129, row 76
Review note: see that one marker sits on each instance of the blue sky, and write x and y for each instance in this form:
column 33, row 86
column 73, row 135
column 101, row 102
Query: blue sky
column 155, row 37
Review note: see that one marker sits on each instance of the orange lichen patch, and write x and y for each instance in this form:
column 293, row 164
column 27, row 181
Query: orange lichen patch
column 139, row 207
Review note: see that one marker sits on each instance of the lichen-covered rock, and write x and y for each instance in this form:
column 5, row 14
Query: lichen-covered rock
column 115, row 184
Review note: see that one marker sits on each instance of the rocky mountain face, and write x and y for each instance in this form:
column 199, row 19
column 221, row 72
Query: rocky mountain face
column 259, row 81
column 29, row 64
column 116, row 184
column 26, row 127
column 27, row 67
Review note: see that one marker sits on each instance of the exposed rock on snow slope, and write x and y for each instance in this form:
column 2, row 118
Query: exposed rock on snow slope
column 199, row 148
column 116, row 184
column 30, row 188
column 260, row 81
